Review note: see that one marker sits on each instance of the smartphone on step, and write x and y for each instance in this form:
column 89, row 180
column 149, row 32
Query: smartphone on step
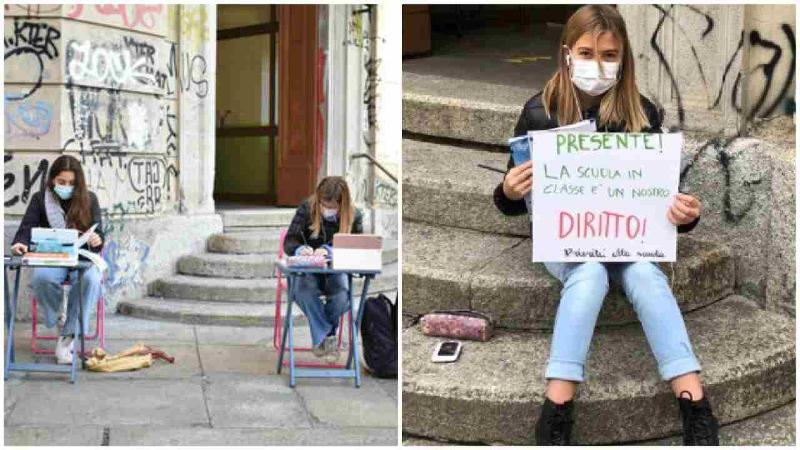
column 446, row 351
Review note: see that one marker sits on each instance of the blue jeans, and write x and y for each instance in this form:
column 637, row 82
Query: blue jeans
column 648, row 290
column 46, row 285
column 322, row 318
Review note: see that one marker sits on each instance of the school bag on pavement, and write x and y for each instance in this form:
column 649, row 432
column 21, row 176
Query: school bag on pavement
column 379, row 336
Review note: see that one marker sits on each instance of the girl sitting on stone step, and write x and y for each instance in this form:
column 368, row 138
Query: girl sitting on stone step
column 595, row 79
column 328, row 211
column 65, row 202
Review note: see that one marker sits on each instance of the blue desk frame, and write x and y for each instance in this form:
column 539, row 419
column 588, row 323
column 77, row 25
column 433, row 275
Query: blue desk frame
column 353, row 367
column 15, row 263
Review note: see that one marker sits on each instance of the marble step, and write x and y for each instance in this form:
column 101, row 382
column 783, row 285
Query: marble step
column 451, row 268
column 267, row 241
column 494, row 392
column 234, row 290
column 256, row 217
column 443, row 185
column 245, row 242
column 775, row 427
column 228, row 265
column 461, row 109
column 203, row 312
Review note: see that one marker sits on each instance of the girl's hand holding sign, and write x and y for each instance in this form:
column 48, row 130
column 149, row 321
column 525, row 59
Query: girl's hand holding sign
column 685, row 209
column 518, row 181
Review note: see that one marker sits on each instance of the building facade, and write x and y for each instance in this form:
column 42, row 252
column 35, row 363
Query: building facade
column 148, row 98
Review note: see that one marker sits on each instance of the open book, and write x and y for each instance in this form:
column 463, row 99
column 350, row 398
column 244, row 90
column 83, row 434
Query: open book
column 520, row 146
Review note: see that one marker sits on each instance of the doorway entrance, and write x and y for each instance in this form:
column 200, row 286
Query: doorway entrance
column 266, row 99
column 512, row 45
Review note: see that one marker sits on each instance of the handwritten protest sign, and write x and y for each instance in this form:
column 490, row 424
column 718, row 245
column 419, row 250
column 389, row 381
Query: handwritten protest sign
column 604, row 196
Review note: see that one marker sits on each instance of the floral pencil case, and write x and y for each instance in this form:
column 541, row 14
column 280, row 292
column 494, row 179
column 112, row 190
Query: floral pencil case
column 457, row 324
column 307, row 261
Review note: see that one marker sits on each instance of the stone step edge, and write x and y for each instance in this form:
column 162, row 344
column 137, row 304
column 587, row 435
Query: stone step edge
column 771, row 362
column 733, row 433
column 382, row 278
column 477, row 296
column 271, row 300
column 167, row 311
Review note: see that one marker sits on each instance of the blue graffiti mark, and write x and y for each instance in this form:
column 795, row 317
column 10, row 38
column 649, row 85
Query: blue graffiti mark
column 126, row 259
column 27, row 118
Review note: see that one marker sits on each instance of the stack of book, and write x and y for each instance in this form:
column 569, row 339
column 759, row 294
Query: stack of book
column 50, row 259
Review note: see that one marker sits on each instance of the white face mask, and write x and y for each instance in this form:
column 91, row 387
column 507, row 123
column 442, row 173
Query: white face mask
column 586, row 75
column 330, row 214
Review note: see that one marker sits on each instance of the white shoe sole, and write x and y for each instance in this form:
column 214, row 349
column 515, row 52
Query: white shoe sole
column 61, row 357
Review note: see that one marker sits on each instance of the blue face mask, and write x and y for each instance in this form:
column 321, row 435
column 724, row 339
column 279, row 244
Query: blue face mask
column 65, row 192
column 330, row 214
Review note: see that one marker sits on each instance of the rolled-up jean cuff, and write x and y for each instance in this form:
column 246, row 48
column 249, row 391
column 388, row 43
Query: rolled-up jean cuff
column 678, row 367
column 564, row 370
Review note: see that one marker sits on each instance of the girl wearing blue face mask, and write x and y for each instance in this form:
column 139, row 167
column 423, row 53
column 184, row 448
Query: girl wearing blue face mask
column 328, row 211
column 65, row 202
column 596, row 80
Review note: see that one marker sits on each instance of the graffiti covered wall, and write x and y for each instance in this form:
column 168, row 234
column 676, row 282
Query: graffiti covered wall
column 723, row 72
column 122, row 88
column 355, row 92
column 714, row 68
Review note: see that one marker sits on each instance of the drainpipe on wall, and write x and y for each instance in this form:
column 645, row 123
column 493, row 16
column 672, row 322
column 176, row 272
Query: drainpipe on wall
column 372, row 82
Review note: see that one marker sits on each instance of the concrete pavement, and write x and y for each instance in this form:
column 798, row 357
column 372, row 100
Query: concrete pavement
column 222, row 390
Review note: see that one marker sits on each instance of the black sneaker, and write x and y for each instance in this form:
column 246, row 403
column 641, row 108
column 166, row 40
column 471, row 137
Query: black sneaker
column 555, row 423
column 700, row 427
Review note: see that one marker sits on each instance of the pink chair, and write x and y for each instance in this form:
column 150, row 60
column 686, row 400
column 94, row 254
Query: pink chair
column 99, row 330
column 276, row 332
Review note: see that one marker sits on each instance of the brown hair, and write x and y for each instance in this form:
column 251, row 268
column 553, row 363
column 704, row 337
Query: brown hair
column 79, row 214
column 332, row 189
column 622, row 104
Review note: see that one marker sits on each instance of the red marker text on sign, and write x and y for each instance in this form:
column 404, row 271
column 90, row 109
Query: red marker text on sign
column 604, row 224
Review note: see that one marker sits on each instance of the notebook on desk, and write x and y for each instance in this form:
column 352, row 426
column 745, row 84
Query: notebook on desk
column 357, row 251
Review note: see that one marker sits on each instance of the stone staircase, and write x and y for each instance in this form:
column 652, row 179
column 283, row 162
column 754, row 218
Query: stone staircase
column 460, row 252
column 232, row 283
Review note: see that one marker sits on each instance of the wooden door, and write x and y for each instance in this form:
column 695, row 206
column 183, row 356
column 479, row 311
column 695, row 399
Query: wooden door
column 297, row 103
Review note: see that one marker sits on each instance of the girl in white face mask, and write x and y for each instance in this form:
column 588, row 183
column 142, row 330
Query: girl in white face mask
column 596, row 80
column 328, row 211
column 64, row 202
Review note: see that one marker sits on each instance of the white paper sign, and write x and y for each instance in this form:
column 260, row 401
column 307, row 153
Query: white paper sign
column 604, row 196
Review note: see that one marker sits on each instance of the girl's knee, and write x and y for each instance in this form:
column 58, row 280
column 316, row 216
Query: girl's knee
column 339, row 302
column 306, row 287
column 92, row 276
column 643, row 271
column 594, row 270
column 336, row 284
column 45, row 278
column 590, row 274
column 643, row 275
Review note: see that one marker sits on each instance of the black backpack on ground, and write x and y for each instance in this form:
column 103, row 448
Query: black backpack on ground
column 379, row 336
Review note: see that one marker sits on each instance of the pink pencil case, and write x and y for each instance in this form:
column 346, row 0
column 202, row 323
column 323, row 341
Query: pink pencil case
column 307, row 261
column 457, row 324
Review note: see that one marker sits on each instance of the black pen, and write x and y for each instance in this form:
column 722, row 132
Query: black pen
column 493, row 169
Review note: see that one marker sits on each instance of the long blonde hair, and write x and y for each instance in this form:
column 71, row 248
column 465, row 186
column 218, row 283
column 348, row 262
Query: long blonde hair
column 332, row 189
column 622, row 103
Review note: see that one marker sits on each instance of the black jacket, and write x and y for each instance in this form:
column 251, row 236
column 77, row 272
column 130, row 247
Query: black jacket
column 299, row 232
column 36, row 217
column 533, row 118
